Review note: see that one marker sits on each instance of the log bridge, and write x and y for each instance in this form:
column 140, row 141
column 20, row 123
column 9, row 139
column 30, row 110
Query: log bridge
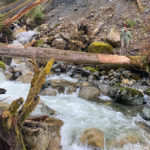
column 72, row 56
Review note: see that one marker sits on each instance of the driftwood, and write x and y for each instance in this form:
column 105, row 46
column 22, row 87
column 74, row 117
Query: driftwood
column 12, row 119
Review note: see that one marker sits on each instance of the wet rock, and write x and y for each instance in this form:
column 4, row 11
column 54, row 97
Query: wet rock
column 49, row 92
column 89, row 93
column 62, row 82
column 146, row 113
column 2, row 91
column 42, row 134
column 93, row 137
column 7, row 60
column 25, row 78
column 129, row 96
column 46, row 109
column 99, row 47
column 113, row 38
column 104, row 89
column 133, row 139
column 70, row 90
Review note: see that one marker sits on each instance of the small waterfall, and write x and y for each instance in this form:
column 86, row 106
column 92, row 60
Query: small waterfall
column 2, row 77
column 24, row 37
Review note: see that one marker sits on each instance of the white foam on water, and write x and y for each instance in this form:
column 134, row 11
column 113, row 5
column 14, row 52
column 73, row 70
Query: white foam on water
column 62, row 76
column 24, row 37
column 79, row 115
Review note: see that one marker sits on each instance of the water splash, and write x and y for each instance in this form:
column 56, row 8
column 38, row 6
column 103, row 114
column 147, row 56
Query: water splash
column 24, row 37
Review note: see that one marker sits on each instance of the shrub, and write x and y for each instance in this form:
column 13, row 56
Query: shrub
column 131, row 23
column 36, row 14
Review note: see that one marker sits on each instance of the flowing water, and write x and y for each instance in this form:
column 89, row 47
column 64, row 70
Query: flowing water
column 79, row 115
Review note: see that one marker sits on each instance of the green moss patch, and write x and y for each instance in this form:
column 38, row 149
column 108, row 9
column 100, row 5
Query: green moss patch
column 99, row 47
column 2, row 65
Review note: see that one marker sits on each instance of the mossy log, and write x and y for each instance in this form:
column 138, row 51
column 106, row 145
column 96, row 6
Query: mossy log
column 12, row 119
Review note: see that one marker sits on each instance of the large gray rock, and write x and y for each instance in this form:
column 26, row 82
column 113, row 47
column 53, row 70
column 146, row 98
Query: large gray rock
column 146, row 113
column 42, row 134
column 113, row 38
column 49, row 92
column 128, row 96
column 89, row 93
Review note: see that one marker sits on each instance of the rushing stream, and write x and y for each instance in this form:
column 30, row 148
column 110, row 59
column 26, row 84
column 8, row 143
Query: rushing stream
column 79, row 115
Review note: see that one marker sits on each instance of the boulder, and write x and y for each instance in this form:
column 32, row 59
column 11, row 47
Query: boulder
column 102, row 48
column 89, row 92
column 93, row 137
column 49, row 92
column 70, row 89
column 146, row 113
column 42, row 134
column 62, row 82
column 25, row 78
column 113, row 38
column 129, row 96
column 2, row 91
column 115, row 143
column 59, row 43
column 2, row 65
column 46, row 109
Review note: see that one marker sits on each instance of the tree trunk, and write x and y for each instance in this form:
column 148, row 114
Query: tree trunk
column 12, row 119
column 64, row 55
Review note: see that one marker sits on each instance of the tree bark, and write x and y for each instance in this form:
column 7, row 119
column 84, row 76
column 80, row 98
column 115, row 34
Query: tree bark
column 64, row 55
column 12, row 119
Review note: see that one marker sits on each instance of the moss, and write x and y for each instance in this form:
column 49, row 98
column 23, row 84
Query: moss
column 39, row 43
column 2, row 65
column 133, row 92
column 91, row 69
column 99, row 47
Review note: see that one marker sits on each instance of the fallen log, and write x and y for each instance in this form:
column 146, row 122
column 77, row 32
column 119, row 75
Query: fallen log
column 75, row 57
column 64, row 55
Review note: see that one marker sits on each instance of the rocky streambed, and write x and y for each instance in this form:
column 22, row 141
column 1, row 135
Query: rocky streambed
column 100, row 108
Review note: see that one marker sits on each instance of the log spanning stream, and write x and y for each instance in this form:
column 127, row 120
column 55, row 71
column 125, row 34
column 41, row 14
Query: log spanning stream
column 79, row 115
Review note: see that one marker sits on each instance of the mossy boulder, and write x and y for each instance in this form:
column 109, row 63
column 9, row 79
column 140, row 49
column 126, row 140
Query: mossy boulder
column 129, row 96
column 99, row 47
column 2, row 65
